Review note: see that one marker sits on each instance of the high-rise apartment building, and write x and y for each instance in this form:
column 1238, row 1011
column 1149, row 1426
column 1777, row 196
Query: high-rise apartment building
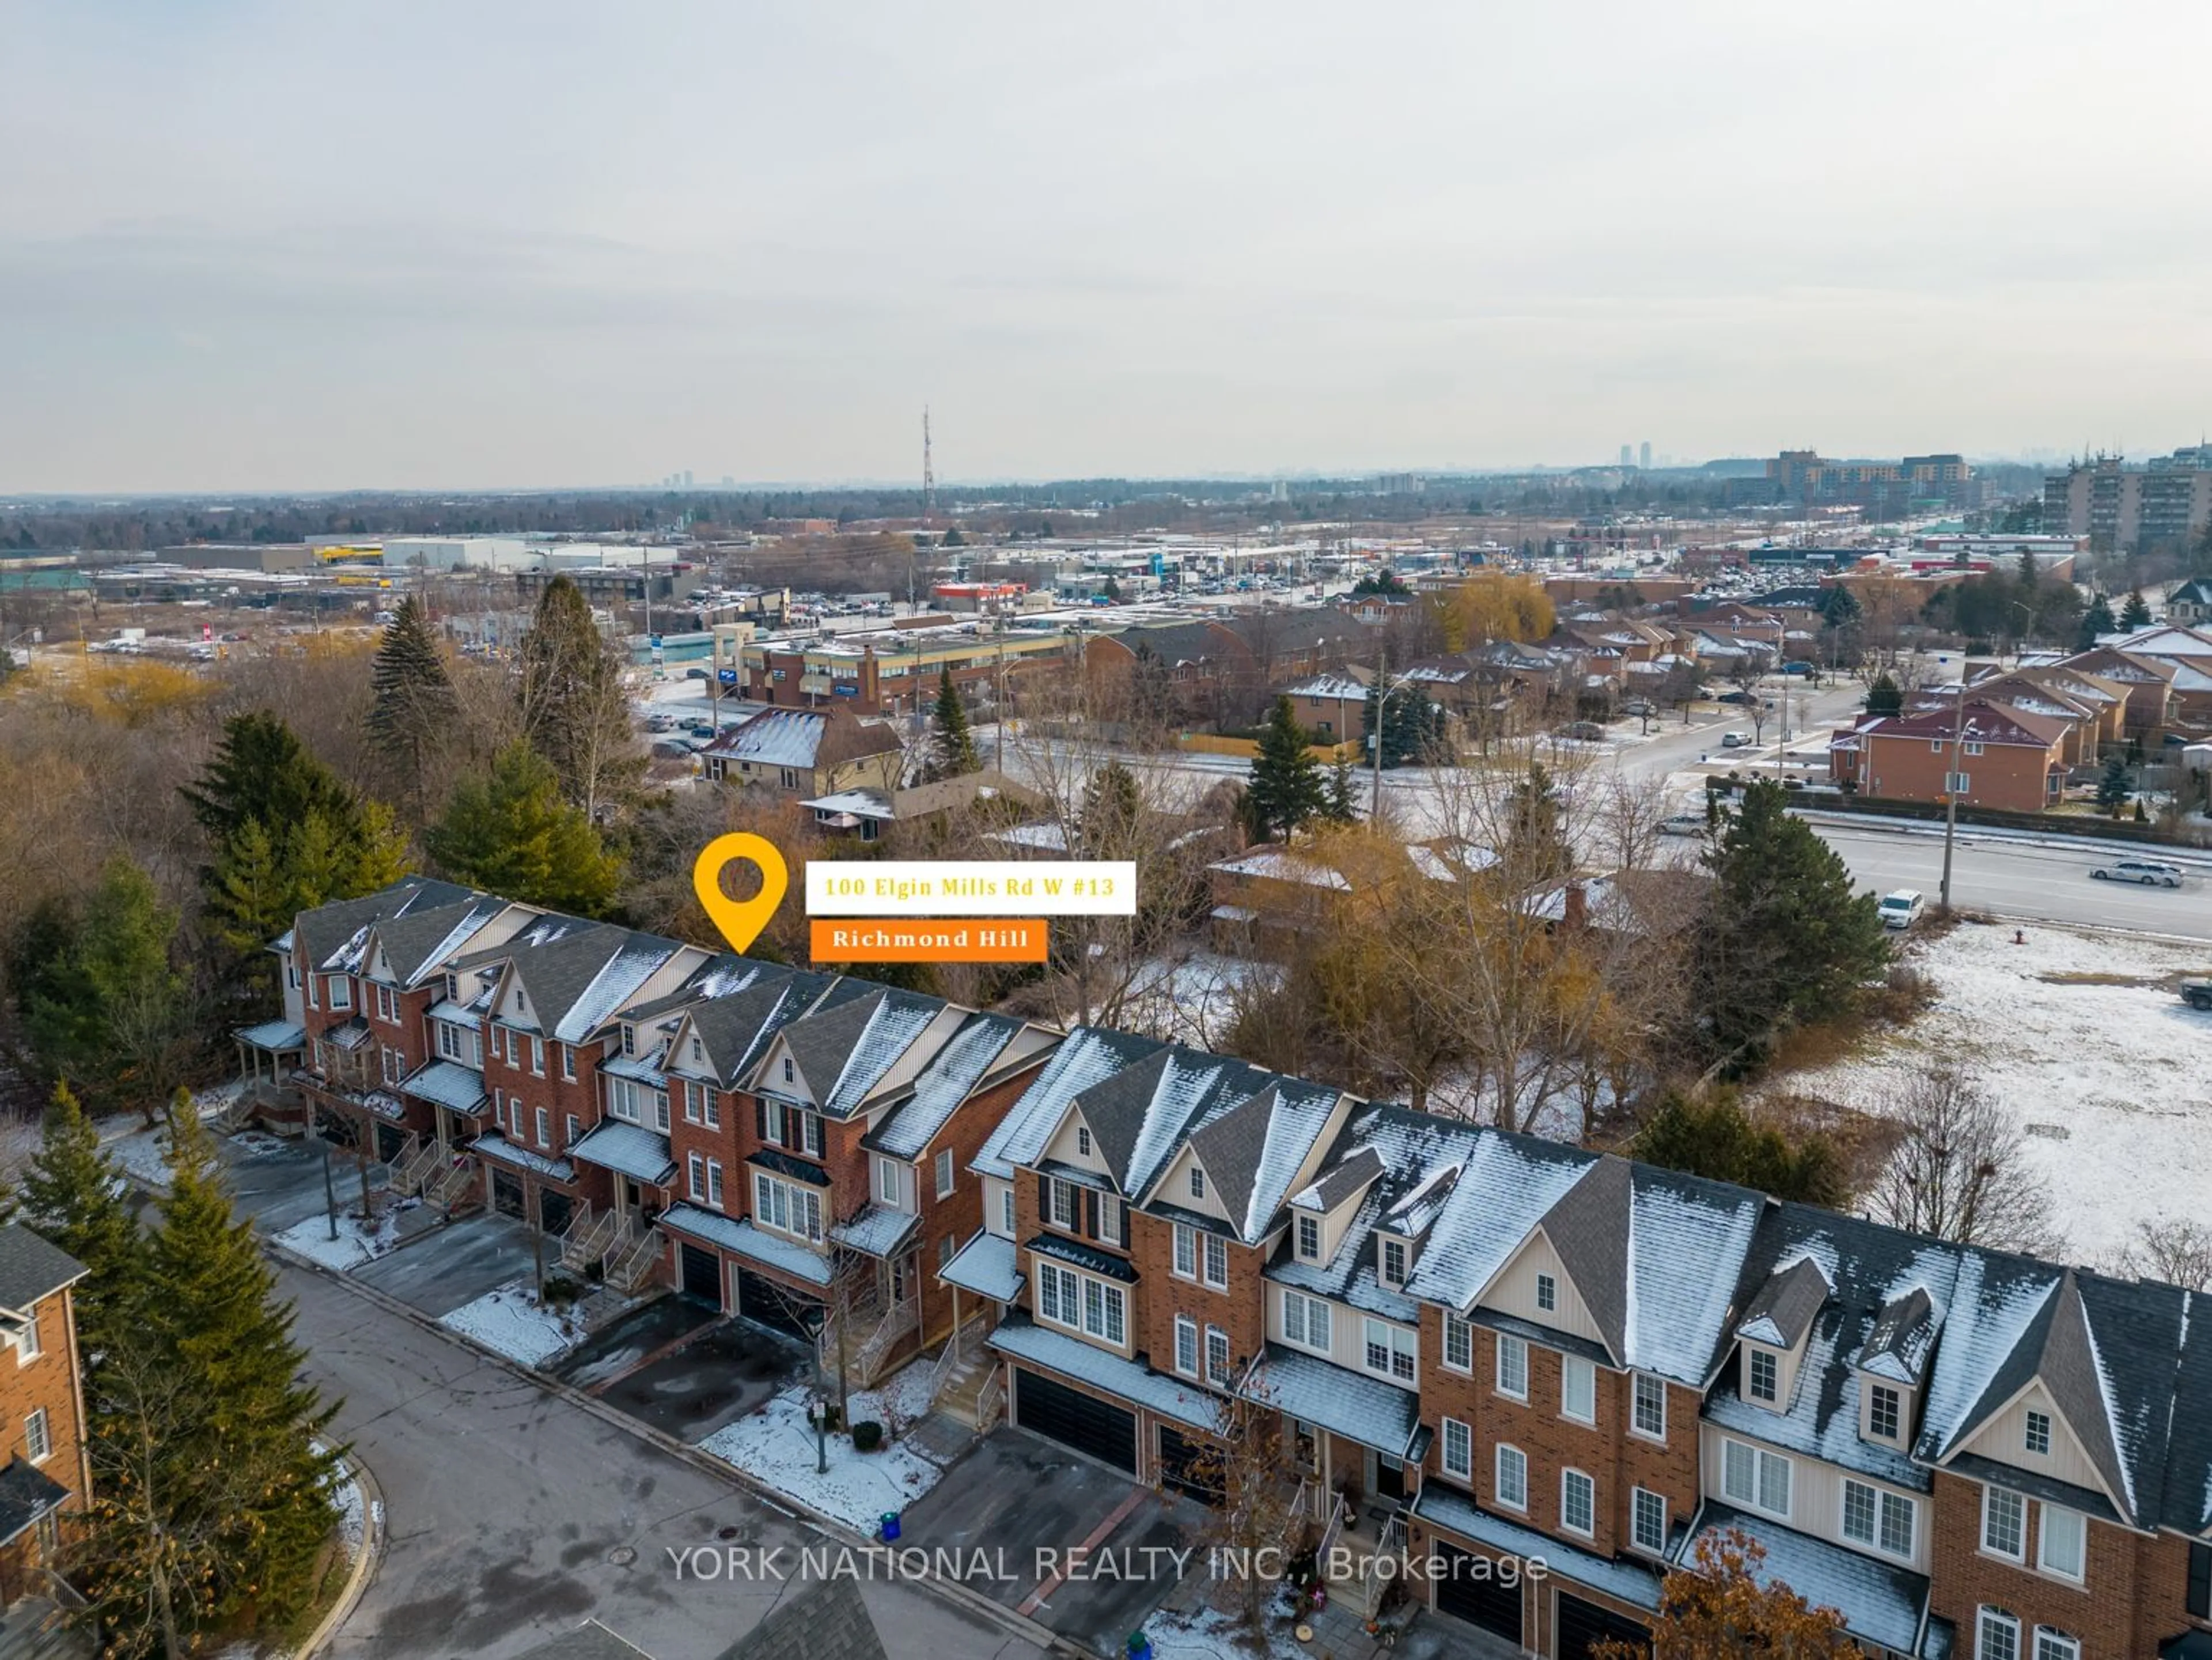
column 1645, row 458
column 1880, row 487
column 2167, row 503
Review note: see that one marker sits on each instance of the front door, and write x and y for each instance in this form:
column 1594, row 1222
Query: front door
column 629, row 1195
column 1389, row 1478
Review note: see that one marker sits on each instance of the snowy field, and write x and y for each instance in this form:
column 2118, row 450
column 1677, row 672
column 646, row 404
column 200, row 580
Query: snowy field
column 512, row 1321
column 2079, row 1035
column 776, row 1446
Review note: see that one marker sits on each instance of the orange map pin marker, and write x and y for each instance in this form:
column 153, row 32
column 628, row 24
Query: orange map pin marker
column 740, row 921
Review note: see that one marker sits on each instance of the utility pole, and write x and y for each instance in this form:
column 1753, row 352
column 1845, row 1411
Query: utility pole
column 1951, row 790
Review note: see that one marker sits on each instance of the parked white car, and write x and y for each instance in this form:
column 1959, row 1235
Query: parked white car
column 1735, row 740
column 1902, row 908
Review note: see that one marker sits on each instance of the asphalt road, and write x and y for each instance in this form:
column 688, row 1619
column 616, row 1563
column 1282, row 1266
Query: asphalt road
column 2031, row 880
column 513, row 1515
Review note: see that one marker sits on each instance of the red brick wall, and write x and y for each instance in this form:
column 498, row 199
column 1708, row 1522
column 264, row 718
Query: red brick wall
column 2131, row 1599
column 1239, row 1311
column 49, row 1381
column 2008, row 775
column 957, row 1216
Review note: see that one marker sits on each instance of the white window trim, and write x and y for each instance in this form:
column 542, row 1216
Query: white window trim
column 1983, row 1544
column 945, row 1176
column 1658, row 1386
column 1636, row 1544
column 1186, row 1330
column 1228, row 1356
column 1453, row 1323
column 1212, row 1246
column 1984, row 1617
column 1499, row 1380
column 1548, row 1293
column 889, row 1190
column 2069, row 1647
column 2028, row 1421
column 1110, row 1293
column 1589, row 1481
column 1497, row 1478
column 1302, row 1225
column 1309, row 1309
column 45, row 1433
column 1074, row 1219
column 1006, row 1211
column 1183, row 1264
column 1109, row 1219
column 2043, row 1563
column 1755, row 1499
column 1464, row 1468
column 1574, row 1365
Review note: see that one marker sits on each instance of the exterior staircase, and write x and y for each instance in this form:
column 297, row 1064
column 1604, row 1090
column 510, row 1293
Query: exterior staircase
column 967, row 1388
column 453, row 1187
column 590, row 1237
column 419, row 1163
column 631, row 1259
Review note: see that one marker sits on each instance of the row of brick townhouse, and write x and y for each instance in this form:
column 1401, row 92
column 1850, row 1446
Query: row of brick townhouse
column 46, row 1466
column 1483, row 1348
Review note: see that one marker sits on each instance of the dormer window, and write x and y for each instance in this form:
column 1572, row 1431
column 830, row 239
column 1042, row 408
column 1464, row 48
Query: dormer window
column 1883, row 1413
column 790, row 1072
column 521, row 1001
column 2037, row 1437
column 1309, row 1238
column 453, row 987
column 1394, row 1261
column 1197, row 1182
column 1763, row 1376
column 1082, row 1142
column 1548, row 1293
column 629, row 1038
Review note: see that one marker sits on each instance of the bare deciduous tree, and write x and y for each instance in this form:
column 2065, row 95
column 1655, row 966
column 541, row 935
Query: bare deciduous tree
column 1960, row 1172
column 2179, row 1252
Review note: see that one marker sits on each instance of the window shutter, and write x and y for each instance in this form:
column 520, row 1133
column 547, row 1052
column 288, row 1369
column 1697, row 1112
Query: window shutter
column 1044, row 1198
column 1089, row 1214
column 760, row 1120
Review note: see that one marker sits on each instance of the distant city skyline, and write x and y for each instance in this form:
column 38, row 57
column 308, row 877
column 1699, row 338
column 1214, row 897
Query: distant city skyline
column 253, row 247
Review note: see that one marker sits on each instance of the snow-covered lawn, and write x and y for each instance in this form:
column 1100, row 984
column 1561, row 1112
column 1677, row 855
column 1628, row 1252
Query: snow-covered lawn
column 357, row 1241
column 2081, row 1037
column 1206, row 1634
column 776, row 1445
column 512, row 1321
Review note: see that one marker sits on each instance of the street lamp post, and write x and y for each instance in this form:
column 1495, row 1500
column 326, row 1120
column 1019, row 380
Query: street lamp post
column 1381, row 710
column 1951, row 790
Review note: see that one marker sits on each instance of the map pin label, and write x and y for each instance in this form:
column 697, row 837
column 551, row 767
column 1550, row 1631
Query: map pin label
column 740, row 921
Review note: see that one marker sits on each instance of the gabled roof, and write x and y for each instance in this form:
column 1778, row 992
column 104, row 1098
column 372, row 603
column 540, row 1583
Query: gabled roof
column 1899, row 1342
column 953, row 1073
column 735, row 1023
column 1253, row 1150
column 578, row 980
column 1089, row 1055
column 417, row 943
column 843, row 1050
column 1341, row 1180
column 31, row 1269
column 1589, row 1228
column 1142, row 1113
column 330, row 937
column 1785, row 1305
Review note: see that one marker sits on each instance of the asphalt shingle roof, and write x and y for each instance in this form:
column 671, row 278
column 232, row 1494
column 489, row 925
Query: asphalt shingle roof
column 32, row 1268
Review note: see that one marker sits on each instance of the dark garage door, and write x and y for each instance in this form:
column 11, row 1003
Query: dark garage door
column 1583, row 1625
column 1188, row 1467
column 1468, row 1589
column 778, row 1309
column 507, row 1193
column 1082, row 1422
column 554, row 1209
column 702, row 1273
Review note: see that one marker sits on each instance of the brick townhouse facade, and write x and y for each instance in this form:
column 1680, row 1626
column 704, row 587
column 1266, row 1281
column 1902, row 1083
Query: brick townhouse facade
column 1480, row 1348
column 45, row 1469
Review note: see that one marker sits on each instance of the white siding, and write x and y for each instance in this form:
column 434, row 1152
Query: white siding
column 1175, row 1189
column 994, row 1205
column 1065, row 1145
column 769, row 1075
column 1514, row 1290
column 1347, row 1339
column 1816, row 1497
column 877, row 1167
column 2004, row 1438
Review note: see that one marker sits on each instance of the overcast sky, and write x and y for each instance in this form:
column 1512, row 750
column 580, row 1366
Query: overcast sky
column 247, row 244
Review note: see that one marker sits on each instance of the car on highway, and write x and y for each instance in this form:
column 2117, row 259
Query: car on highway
column 2151, row 872
column 2198, row 993
column 1902, row 908
column 1683, row 823
column 694, row 674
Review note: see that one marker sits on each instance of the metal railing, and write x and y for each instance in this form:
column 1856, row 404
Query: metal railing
column 589, row 1235
column 990, row 1401
column 900, row 1319
column 632, row 1262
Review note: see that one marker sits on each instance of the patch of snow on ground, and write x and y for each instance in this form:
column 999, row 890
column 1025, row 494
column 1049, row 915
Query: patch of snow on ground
column 358, row 1242
column 2106, row 1081
column 1189, row 998
column 1207, row 1633
column 353, row 1514
column 512, row 1321
column 776, row 1445
column 218, row 1098
column 139, row 1153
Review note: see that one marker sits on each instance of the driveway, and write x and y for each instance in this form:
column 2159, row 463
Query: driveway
column 279, row 1182
column 511, row 1515
column 448, row 1267
column 727, row 1370
column 1015, row 1495
column 623, row 1344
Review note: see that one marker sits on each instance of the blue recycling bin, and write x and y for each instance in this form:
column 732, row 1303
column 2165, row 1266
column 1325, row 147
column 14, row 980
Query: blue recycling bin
column 890, row 1526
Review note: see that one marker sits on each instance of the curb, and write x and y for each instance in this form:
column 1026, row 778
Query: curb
column 2191, row 859
column 364, row 1562
column 782, row 1502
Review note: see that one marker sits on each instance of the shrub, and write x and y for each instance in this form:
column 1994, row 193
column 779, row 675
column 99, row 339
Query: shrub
column 867, row 1435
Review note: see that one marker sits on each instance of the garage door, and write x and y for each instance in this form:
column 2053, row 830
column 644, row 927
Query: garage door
column 1189, row 1467
column 1076, row 1420
column 765, row 1301
column 555, row 1210
column 1468, row 1589
column 507, row 1193
column 702, row 1273
column 1582, row 1626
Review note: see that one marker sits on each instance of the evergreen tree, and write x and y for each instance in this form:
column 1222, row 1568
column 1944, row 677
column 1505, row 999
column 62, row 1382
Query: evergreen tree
column 1884, row 695
column 1784, row 937
column 414, row 707
column 1535, row 849
column 71, row 1194
column 512, row 835
column 1713, row 1137
column 1113, row 808
column 953, row 749
column 261, row 770
column 2112, row 787
column 1342, row 806
column 2135, row 614
column 1286, row 789
column 1840, row 607
column 107, row 1011
column 212, row 1315
column 2097, row 620
column 575, row 713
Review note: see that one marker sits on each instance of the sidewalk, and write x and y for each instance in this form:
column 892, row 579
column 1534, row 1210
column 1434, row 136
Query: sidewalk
column 2193, row 859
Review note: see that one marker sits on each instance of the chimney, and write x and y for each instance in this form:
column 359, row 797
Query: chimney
column 1575, row 908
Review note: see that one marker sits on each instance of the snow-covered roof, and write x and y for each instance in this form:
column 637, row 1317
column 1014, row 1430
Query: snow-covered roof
column 276, row 1037
column 1281, row 865
column 951, row 1074
column 1049, row 838
column 1090, row 1055
column 630, row 1150
column 1619, row 1577
column 448, row 1084
column 988, row 1265
column 1880, row 1601
column 859, row 804
column 1340, row 686
column 742, row 1238
column 500, row 1150
column 774, row 738
column 1346, row 1402
column 1186, row 1403
column 878, row 1231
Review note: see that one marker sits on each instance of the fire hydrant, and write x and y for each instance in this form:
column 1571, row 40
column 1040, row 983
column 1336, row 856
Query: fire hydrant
column 2019, row 936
